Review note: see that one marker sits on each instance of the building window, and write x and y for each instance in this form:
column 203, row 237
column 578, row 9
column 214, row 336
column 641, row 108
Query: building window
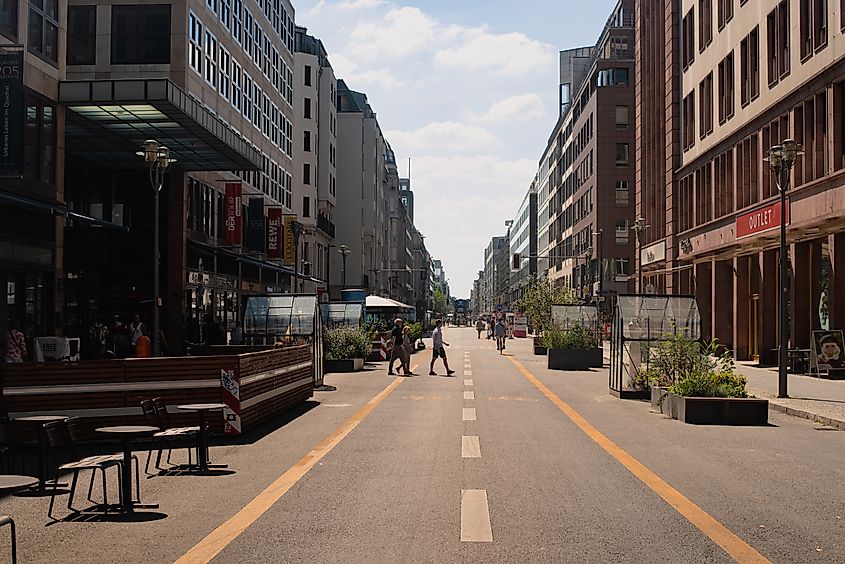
column 705, row 107
column 212, row 5
column 749, row 67
column 306, row 173
column 256, row 104
column 307, row 112
column 140, row 34
column 306, row 206
column 612, row 77
column 247, row 97
column 705, row 23
column 225, row 12
column 621, row 117
column 195, row 43
column 39, row 141
column 225, row 60
column 621, row 192
column 237, row 20
column 9, row 18
column 621, row 154
column 81, row 35
column 622, row 231
column 210, row 59
column 43, row 34
column 248, row 45
column 236, row 85
column 813, row 27
column 307, row 75
column 725, row 12
column 688, row 39
column 306, row 142
column 726, row 88
column 689, row 121
column 777, row 28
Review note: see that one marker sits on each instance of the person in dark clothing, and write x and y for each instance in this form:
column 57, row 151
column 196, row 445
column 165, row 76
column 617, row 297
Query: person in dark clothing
column 396, row 350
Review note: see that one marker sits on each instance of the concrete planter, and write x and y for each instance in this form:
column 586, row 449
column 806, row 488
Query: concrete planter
column 596, row 357
column 344, row 365
column 539, row 348
column 570, row 359
column 719, row 411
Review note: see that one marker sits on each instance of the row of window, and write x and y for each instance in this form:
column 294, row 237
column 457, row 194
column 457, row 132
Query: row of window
column 139, row 34
column 239, row 20
column 42, row 37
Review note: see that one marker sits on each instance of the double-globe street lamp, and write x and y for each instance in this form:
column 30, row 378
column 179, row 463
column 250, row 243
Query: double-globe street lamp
column 296, row 230
column 344, row 252
column 157, row 158
column 781, row 158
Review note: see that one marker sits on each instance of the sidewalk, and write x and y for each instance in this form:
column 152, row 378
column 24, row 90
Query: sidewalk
column 809, row 397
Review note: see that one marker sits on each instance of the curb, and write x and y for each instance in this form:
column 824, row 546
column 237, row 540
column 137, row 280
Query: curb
column 830, row 422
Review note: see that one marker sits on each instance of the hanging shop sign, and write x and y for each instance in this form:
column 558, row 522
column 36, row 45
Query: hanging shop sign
column 234, row 218
column 11, row 114
column 760, row 220
column 275, row 233
column 289, row 245
column 255, row 228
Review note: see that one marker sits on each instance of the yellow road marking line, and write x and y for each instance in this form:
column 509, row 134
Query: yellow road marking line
column 222, row 536
column 737, row 548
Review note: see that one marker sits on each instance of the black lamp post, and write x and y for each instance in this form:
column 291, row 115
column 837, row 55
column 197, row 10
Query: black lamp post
column 638, row 227
column 157, row 158
column 296, row 231
column 781, row 158
column 344, row 252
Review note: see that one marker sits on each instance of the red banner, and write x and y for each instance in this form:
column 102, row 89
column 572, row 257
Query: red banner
column 760, row 220
column 234, row 227
column 275, row 226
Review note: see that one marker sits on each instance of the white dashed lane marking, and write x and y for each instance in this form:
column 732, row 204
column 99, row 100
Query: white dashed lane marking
column 467, row 381
column 468, row 414
column 469, row 395
column 467, row 372
column 470, row 447
column 475, row 517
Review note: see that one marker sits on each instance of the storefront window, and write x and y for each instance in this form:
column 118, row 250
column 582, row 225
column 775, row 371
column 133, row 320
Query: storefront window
column 39, row 141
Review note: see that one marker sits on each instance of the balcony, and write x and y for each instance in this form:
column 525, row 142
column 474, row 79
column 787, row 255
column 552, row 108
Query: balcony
column 325, row 225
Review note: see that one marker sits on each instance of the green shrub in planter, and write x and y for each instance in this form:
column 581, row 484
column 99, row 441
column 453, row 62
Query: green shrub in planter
column 347, row 342
column 576, row 337
column 416, row 330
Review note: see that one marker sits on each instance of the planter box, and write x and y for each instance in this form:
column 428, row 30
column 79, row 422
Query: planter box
column 539, row 348
column 834, row 374
column 570, row 359
column 344, row 365
column 719, row 411
column 596, row 357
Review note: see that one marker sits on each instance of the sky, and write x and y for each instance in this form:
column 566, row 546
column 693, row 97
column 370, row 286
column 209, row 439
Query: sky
column 466, row 89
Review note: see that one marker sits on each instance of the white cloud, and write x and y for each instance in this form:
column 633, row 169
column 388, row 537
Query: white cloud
column 507, row 54
column 348, row 5
column 519, row 107
column 445, row 137
column 402, row 32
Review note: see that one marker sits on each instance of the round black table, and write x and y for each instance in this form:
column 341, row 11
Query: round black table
column 202, row 447
column 128, row 432
column 13, row 483
column 42, row 441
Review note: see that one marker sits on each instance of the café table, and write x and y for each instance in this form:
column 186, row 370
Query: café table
column 12, row 483
column 127, row 433
column 202, row 446
column 42, row 442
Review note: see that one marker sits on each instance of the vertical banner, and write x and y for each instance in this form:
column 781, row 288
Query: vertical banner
column 255, row 228
column 290, row 248
column 275, row 238
column 11, row 113
column 234, row 220
column 230, row 390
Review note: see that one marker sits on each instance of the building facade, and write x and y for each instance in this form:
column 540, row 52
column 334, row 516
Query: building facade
column 523, row 241
column 754, row 74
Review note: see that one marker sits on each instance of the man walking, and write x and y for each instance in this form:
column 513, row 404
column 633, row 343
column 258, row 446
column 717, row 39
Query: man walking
column 397, row 352
column 438, row 350
column 479, row 326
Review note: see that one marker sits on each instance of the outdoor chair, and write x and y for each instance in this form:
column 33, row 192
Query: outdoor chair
column 60, row 444
column 166, row 435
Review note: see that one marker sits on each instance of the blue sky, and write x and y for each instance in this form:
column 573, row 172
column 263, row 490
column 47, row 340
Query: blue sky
column 468, row 90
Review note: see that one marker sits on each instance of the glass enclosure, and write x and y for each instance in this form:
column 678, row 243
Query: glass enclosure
column 565, row 316
column 639, row 322
column 342, row 314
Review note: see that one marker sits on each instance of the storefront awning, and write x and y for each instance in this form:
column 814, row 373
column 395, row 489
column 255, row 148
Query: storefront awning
column 110, row 119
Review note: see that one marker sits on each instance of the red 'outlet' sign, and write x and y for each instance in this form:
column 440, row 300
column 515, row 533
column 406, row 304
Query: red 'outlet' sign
column 760, row 220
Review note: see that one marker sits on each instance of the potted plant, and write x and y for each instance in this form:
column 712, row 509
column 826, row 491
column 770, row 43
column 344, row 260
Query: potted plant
column 573, row 348
column 690, row 383
column 537, row 300
column 346, row 349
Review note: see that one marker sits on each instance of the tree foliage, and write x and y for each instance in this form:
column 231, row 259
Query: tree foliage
column 440, row 306
column 538, row 299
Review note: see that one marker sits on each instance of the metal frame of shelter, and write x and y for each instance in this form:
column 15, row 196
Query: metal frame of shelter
column 564, row 316
column 639, row 322
column 342, row 314
column 290, row 319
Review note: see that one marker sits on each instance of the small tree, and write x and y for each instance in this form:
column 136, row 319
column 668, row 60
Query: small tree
column 440, row 306
column 539, row 297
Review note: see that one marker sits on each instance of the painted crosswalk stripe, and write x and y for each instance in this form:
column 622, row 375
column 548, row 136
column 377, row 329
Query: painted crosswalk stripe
column 467, row 372
column 468, row 414
column 470, row 447
column 467, row 381
column 469, row 395
column 475, row 517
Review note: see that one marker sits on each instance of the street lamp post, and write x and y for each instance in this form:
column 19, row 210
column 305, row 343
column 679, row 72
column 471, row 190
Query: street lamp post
column 638, row 227
column 296, row 231
column 157, row 158
column 344, row 252
column 781, row 158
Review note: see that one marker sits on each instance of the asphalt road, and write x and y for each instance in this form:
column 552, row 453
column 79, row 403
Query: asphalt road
column 412, row 477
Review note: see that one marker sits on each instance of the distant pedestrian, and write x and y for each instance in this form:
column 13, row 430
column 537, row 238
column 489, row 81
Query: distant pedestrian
column 437, row 349
column 396, row 352
column 406, row 349
column 479, row 326
column 136, row 330
column 499, row 331
column 99, row 339
column 14, row 345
